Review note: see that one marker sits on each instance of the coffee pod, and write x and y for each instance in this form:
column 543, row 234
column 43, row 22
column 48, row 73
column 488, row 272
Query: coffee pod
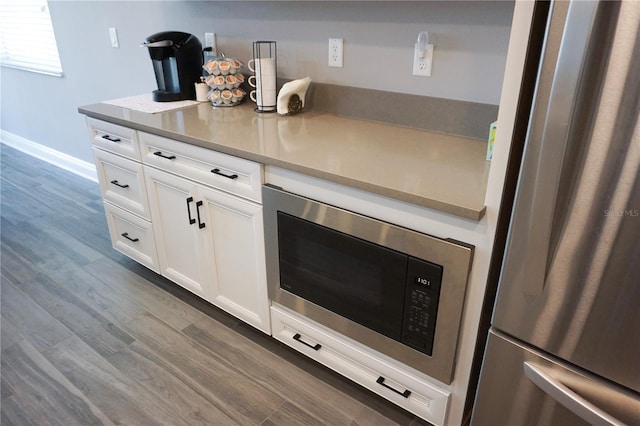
column 225, row 67
column 227, row 96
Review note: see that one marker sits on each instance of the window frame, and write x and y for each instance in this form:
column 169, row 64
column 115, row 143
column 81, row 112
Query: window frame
column 27, row 39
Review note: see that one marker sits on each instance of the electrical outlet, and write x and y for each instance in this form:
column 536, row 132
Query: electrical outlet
column 422, row 61
column 113, row 36
column 335, row 52
column 210, row 41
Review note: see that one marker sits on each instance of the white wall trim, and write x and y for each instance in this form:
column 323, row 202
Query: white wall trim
column 51, row 156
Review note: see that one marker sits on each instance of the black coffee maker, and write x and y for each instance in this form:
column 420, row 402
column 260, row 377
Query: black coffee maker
column 177, row 62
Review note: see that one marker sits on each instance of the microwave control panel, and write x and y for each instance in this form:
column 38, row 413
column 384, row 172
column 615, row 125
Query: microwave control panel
column 422, row 293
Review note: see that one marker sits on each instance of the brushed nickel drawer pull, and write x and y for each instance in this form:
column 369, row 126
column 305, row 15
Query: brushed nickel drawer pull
column 116, row 183
column 168, row 157
column 405, row 394
column 315, row 347
column 126, row 235
column 218, row 172
column 110, row 138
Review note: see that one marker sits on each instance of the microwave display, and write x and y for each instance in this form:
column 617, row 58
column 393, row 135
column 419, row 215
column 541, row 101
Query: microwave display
column 382, row 289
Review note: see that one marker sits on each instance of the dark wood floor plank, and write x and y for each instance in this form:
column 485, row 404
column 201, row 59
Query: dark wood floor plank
column 18, row 205
column 128, row 284
column 42, row 394
column 9, row 334
column 29, row 246
column 17, row 160
column 417, row 421
column 15, row 267
column 59, row 205
column 12, row 415
column 67, row 187
column 373, row 417
column 118, row 396
column 92, row 227
column 19, row 170
column 111, row 305
column 151, row 373
column 29, row 198
column 75, row 280
column 47, row 246
column 244, row 400
column 290, row 414
column 96, row 330
column 72, row 245
column 275, row 374
column 200, row 305
column 29, row 319
column 56, row 194
column 5, row 389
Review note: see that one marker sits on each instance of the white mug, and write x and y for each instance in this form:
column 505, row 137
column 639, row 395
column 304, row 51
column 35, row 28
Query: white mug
column 263, row 66
column 264, row 99
column 266, row 82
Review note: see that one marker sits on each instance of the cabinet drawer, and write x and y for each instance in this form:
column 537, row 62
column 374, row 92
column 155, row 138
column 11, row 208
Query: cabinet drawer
column 117, row 139
column 122, row 182
column 363, row 366
column 132, row 236
column 231, row 174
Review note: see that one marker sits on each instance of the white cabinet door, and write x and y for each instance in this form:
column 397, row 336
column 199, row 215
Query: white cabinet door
column 174, row 211
column 211, row 243
column 235, row 231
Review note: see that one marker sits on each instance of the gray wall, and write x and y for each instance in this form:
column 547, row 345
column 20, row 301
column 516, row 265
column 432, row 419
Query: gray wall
column 470, row 40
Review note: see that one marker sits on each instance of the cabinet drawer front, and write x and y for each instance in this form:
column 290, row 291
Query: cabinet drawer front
column 122, row 182
column 132, row 236
column 361, row 365
column 117, row 139
column 231, row 174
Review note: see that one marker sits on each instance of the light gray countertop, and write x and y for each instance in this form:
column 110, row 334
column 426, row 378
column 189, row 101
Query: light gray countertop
column 442, row 172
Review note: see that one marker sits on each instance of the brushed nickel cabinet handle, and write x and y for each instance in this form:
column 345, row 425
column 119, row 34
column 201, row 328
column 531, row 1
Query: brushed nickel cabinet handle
column 168, row 157
column 218, row 172
column 315, row 347
column 191, row 220
column 116, row 183
column 110, row 138
column 405, row 393
column 200, row 223
column 126, row 235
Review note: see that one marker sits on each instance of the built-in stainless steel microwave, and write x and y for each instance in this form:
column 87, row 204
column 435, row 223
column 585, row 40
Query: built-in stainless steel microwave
column 395, row 290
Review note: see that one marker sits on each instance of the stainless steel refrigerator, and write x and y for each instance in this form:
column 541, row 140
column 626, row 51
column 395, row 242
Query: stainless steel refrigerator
column 564, row 344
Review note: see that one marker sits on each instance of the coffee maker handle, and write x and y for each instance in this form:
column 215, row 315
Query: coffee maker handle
column 161, row 43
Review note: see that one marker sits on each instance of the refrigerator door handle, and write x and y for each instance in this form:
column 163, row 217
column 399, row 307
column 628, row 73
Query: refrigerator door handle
column 556, row 94
column 569, row 399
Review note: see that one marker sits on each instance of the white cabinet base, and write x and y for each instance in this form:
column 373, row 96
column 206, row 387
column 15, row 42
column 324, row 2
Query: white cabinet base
column 362, row 366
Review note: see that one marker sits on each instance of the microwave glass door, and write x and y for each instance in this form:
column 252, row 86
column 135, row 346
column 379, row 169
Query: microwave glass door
column 354, row 278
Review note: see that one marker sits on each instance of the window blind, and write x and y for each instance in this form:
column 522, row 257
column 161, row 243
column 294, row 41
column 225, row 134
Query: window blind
column 27, row 40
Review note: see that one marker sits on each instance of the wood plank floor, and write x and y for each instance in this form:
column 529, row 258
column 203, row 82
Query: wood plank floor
column 90, row 337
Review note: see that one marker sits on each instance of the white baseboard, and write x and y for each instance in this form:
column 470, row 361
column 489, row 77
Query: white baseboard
column 51, row 156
